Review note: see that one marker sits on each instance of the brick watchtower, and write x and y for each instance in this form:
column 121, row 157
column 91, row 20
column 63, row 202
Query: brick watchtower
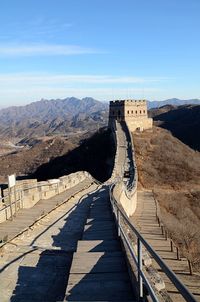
column 133, row 112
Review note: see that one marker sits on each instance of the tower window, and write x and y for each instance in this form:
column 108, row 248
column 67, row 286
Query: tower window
column 140, row 111
column 143, row 111
column 132, row 111
column 136, row 112
column 128, row 111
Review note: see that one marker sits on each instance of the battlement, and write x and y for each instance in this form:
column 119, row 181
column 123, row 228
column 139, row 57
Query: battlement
column 127, row 102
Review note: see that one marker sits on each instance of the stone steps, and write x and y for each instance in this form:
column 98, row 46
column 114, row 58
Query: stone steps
column 98, row 246
column 99, row 235
column 91, row 263
column 86, row 289
column 145, row 220
column 99, row 219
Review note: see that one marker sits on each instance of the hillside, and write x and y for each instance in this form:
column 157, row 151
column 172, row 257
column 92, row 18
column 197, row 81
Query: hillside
column 165, row 162
column 53, row 157
column 95, row 155
column 172, row 170
column 27, row 160
column 160, row 110
column 50, row 117
column 182, row 121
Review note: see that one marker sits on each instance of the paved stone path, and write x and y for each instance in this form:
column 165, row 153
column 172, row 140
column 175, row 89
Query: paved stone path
column 99, row 271
column 26, row 217
column 145, row 219
column 71, row 254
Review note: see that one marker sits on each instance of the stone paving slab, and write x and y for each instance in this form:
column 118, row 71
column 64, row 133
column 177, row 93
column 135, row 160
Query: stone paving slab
column 86, row 290
column 98, row 245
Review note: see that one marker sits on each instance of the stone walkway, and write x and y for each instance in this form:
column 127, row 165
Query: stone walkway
column 71, row 254
column 99, row 270
column 26, row 217
column 145, row 219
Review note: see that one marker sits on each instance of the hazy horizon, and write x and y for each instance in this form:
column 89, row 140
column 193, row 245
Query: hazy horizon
column 103, row 101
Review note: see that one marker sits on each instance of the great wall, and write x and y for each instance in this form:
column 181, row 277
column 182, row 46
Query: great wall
column 77, row 237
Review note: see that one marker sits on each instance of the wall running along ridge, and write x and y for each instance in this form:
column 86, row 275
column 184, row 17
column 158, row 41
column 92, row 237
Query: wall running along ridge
column 124, row 178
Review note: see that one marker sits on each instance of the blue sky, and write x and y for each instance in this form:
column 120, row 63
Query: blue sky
column 104, row 49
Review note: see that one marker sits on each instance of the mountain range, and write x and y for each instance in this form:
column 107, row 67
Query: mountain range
column 50, row 117
column 62, row 116
column 46, row 129
column 173, row 102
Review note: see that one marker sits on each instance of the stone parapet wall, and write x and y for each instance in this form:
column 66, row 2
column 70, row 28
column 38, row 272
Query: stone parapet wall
column 28, row 192
column 129, row 193
column 115, row 171
column 125, row 189
column 120, row 145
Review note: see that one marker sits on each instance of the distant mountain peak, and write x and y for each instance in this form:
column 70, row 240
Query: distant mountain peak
column 173, row 102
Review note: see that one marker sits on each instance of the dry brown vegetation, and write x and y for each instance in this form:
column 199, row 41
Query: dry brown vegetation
column 172, row 170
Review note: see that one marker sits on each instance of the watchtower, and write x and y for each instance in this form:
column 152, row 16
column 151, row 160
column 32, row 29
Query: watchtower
column 133, row 112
